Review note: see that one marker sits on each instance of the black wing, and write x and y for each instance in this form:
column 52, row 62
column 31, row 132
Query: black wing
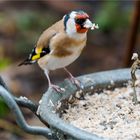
column 33, row 57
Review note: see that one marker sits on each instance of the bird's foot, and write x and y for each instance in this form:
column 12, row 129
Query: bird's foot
column 77, row 83
column 57, row 88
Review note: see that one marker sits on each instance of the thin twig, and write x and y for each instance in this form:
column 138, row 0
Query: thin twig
column 134, row 67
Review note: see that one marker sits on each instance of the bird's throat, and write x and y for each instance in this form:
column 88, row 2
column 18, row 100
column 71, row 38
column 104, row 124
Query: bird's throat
column 81, row 29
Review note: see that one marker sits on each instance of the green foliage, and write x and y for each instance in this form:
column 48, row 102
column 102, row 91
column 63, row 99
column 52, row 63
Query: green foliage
column 4, row 63
column 26, row 21
column 2, row 17
column 30, row 20
column 3, row 108
column 30, row 25
column 112, row 16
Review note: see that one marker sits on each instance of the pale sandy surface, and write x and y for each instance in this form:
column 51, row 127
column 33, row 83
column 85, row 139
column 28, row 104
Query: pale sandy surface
column 110, row 114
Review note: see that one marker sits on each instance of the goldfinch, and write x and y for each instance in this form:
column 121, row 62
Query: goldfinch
column 61, row 44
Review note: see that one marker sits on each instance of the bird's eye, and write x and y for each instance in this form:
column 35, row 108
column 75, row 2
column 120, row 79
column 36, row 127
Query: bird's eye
column 80, row 21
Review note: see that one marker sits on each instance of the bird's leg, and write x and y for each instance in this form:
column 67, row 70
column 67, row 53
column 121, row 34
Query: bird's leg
column 74, row 80
column 55, row 87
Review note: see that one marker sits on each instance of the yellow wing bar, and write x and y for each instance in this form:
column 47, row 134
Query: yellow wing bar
column 35, row 57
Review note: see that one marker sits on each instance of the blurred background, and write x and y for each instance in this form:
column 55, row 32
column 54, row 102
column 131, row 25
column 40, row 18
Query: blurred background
column 22, row 22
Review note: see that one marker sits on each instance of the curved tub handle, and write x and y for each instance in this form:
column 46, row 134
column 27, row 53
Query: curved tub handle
column 36, row 130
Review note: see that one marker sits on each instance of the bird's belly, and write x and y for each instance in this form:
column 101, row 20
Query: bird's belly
column 61, row 62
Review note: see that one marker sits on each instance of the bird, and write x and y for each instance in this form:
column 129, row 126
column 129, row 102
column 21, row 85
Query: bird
column 61, row 44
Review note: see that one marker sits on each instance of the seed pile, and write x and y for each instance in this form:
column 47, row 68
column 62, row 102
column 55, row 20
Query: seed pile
column 110, row 114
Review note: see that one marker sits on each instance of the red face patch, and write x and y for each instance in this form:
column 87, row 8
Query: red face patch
column 80, row 30
column 83, row 16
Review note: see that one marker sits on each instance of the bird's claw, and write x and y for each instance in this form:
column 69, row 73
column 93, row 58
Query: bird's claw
column 77, row 83
column 58, row 88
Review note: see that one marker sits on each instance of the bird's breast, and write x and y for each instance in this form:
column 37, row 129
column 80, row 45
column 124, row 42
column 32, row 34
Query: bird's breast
column 62, row 60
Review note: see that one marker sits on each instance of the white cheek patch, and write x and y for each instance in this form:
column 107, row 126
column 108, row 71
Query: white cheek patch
column 71, row 28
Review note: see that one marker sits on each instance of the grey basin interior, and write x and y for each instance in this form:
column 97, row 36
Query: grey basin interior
column 93, row 82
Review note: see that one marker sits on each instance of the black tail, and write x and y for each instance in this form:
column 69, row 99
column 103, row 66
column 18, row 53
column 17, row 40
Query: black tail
column 26, row 62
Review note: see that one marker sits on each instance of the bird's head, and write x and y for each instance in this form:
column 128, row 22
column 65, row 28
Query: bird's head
column 77, row 22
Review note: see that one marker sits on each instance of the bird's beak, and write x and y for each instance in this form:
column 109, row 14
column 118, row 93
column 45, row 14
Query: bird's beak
column 88, row 24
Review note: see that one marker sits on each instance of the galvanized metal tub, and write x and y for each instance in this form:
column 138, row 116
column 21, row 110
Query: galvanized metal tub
column 95, row 81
